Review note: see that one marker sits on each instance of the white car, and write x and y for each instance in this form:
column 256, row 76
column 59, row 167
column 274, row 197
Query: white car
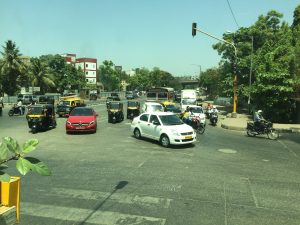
column 165, row 127
column 152, row 107
column 198, row 111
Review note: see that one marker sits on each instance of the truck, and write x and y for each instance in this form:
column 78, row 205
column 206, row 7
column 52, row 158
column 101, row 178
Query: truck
column 188, row 98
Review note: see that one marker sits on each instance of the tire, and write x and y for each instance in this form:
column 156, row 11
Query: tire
column 200, row 129
column 250, row 133
column 273, row 134
column 165, row 141
column 10, row 113
column 137, row 133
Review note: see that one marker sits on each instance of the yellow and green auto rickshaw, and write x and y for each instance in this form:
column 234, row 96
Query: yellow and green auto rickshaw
column 67, row 104
column 41, row 117
column 133, row 109
column 115, row 112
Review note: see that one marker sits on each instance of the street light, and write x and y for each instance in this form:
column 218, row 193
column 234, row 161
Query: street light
column 194, row 29
column 199, row 68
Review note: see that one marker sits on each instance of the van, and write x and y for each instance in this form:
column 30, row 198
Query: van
column 27, row 99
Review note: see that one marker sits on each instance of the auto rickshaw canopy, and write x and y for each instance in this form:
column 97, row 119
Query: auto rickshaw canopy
column 115, row 105
column 133, row 104
column 40, row 109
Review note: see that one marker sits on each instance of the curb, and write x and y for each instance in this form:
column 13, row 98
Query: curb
column 288, row 130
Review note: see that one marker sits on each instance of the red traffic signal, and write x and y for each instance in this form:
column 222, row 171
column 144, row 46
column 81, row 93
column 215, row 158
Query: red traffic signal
column 194, row 29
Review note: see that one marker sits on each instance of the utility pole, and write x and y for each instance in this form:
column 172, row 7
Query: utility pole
column 194, row 29
column 250, row 76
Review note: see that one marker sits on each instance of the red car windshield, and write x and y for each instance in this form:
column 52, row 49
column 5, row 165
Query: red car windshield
column 82, row 112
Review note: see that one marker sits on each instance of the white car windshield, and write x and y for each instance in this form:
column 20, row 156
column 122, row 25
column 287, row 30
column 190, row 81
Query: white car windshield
column 170, row 120
column 196, row 110
column 188, row 102
column 155, row 108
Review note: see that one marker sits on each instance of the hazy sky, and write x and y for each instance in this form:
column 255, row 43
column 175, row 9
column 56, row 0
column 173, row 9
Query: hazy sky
column 131, row 33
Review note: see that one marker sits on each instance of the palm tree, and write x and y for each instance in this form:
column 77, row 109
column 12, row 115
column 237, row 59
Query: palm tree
column 10, row 67
column 40, row 76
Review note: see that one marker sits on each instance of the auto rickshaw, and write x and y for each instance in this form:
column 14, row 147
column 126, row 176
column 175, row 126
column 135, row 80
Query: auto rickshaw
column 41, row 117
column 115, row 112
column 67, row 104
column 133, row 109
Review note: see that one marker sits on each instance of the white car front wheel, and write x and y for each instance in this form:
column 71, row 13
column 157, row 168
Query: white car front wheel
column 165, row 141
column 137, row 133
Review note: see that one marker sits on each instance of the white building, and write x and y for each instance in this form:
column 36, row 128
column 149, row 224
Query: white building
column 89, row 67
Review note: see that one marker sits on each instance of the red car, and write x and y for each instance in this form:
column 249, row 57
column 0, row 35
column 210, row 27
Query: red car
column 82, row 119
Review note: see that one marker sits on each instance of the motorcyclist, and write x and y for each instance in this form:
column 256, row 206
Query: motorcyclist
column 213, row 110
column 186, row 118
column 19, row 105
column 259, row 121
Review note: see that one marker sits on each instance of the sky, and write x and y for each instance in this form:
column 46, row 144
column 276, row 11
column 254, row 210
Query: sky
column 131, row 33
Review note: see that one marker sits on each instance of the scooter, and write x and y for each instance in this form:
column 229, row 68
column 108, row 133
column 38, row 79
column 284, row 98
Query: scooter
column 197, row 125
column 213, row 118
column 15, row 110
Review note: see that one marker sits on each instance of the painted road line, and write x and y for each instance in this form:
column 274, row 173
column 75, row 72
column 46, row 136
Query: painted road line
column 119, row 197
column 86, row 215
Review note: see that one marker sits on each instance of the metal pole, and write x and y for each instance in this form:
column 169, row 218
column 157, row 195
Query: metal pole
column 250, row 75
column 235, row 59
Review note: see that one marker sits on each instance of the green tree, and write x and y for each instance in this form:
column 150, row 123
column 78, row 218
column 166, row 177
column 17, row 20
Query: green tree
column 40, row 75
column 109, row 77
column 10, row 68
column 272, row 80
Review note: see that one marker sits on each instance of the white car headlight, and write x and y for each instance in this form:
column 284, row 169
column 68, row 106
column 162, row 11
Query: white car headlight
column 92, row 122
column 68, row 123
column 175, row 132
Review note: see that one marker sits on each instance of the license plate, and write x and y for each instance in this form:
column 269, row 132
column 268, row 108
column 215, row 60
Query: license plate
column 188, row 137
column 79, row 128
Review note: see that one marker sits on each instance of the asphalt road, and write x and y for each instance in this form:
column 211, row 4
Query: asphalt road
column 111, row 178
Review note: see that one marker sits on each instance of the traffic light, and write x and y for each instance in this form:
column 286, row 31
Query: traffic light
column 234, row 68
column 194, row 27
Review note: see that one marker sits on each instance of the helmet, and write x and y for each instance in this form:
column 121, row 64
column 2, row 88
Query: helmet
column 259, row 111
column 214, row 107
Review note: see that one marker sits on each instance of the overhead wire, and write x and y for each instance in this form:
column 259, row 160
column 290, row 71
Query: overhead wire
column 233, row 14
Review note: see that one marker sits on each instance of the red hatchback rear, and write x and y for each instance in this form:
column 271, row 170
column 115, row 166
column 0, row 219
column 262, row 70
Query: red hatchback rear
column 82, row 119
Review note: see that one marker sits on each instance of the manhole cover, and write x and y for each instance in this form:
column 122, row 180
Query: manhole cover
column 227, row 150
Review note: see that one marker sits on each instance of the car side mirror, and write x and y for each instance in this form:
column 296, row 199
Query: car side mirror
column 67, row 115
column 155, row 123
column 97, row 114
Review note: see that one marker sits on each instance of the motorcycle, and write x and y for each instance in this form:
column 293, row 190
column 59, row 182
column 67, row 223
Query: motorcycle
column 268, row 129
column 15, row 110
column 213, row 118
column 197, row 125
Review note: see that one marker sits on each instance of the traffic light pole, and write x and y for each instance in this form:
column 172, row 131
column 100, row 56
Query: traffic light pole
column 194, row 29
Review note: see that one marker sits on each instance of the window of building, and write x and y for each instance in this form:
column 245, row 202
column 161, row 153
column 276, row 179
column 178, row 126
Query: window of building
column 86, row 73
column 86, row 65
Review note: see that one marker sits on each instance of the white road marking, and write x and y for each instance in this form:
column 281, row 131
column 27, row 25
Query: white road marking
column 79, row 214
column 286, row 147
column 119, row 197
column 252, row 192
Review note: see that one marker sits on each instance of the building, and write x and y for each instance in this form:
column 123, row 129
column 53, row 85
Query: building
column 70, row 58
column 89, row 67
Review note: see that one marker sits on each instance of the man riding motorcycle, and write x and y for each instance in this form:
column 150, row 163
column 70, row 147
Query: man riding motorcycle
column 259, row 120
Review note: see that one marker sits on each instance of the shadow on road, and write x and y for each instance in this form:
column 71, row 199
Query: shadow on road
column 119, row 186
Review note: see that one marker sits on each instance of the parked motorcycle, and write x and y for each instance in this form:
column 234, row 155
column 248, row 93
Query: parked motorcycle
column 253, row 130
column 15, row 110
column 213, row 117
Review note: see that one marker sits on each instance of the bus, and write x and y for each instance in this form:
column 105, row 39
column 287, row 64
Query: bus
column 160, row 94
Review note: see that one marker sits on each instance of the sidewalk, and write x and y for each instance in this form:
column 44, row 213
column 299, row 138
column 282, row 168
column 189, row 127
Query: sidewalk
column 240, row 124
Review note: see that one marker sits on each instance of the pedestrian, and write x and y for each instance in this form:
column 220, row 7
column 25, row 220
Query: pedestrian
column 1, row 105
